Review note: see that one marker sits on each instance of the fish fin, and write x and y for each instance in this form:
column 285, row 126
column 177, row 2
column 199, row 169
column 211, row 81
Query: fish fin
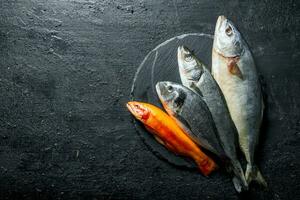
column 253, row 174
column 168, row 146
column 184, row 125
column 239, row 179
column 202, row 142
column 159, row 140
column 262, row 109
column 194, row 87
column 207, row 166
column 237, row 184
column 171, row 148
column 234, row 69
column 151, row 130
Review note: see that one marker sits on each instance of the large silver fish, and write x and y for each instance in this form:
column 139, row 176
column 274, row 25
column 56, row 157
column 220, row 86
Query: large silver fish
column 234, row 70
column 197, row 77
column 191, row 114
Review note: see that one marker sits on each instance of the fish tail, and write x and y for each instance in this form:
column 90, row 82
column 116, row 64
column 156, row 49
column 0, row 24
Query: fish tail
column 206, row 166
column 253, row 174
column 238, row 185
column 239, row 179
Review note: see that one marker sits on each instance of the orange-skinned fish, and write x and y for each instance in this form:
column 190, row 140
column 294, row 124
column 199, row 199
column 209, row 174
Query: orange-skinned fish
column 169, row 134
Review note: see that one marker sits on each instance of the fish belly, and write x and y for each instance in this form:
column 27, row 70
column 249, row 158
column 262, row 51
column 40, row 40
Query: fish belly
column 241, row 103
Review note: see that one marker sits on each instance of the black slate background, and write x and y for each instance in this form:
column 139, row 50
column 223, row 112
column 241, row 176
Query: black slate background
column 66, row 69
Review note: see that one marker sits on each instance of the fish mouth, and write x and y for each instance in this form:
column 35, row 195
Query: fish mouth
column 183, row 50
column 161, row 90
column 139, row 110
column 129, row 106
column 162, row 93
column 179, row 53
column 159, row 87
column 183, row 53
column 132, row 108
column 220, row 21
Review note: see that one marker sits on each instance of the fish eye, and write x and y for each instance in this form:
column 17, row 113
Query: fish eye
column 170, row 88
column 188, row 57
column 228, row 31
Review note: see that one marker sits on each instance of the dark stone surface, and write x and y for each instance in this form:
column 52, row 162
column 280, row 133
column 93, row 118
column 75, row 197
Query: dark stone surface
column 66, row 69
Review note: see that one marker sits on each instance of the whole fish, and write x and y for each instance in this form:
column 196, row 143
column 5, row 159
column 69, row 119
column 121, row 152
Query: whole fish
column 234, row 70
column 191, row 114
column 169, row 134
column 197, row 77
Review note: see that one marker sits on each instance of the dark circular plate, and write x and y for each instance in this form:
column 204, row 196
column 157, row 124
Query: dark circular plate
column 161, row 65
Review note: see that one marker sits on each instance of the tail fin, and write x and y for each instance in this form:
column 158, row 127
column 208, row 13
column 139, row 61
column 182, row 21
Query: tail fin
column 253, row 174
column 239, row 180
column 238, row 185
column 207, row 166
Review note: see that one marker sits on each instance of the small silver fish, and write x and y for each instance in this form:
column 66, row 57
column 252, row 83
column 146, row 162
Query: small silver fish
column 191, row 114
column 234, row 70
column 196, row 76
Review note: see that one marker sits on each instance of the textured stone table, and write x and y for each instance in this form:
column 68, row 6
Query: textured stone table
column 66, row 69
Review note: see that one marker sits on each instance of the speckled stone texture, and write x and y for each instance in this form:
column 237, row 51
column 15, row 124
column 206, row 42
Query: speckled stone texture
column 66, row 69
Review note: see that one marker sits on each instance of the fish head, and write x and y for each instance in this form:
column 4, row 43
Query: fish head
column 190, row 67
column 139, row 110
column 172, row 96
column 227, row 40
